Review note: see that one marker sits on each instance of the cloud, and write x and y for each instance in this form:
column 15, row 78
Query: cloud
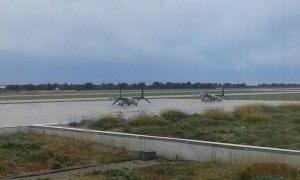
column 224, row 36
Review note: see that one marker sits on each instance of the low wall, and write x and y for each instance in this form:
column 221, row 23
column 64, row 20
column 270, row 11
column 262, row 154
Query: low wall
column 177, row 149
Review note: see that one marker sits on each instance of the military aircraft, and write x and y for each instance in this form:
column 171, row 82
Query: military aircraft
column 124, row 101
column 214, row 97
column 142, row 96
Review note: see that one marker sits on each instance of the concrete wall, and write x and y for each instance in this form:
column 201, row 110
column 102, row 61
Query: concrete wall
column 173, row 148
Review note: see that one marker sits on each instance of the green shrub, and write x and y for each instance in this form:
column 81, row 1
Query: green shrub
column 56, row 165
column 147, row 120
column 38, row 156
column 84, row 122
column 105, row 121
column 74, row 124
column 173, row 113
column 217, row 114
column 269, row 171
column 63, row 159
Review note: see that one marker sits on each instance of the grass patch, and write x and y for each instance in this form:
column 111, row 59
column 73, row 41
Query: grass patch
column 241, row 111
column 290, row 107
column 34, row 152
column 82, row 123
column 255, row 117
column 252, row 113
column 269, row 171
column 173, row 114
column 105, row 122
column 197, row 170
column 217, row 114
column 147, row 120
column 176, row 169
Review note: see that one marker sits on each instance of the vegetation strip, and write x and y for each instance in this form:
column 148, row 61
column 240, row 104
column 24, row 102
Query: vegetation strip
column 196, row 170
column 27, row 152
column 250, row 125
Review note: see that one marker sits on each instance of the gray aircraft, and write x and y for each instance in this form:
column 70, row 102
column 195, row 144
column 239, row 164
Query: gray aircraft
column 214, row 97
column 124, row 101
column 130, row 101
column 142, row 96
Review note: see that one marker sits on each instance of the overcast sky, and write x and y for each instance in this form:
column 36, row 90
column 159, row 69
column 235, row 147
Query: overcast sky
column 77, row 41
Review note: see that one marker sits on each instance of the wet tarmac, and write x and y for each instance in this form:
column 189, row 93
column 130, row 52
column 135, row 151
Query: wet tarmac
column 63, row 112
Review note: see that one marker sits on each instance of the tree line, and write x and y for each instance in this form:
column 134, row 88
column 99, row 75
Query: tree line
column 154, row 85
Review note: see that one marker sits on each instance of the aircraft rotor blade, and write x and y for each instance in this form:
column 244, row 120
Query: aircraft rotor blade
column 116, row 101
column 147, row 100
column 144, row 99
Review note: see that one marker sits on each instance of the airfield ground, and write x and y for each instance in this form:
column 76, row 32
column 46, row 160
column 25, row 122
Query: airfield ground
column 25, row 108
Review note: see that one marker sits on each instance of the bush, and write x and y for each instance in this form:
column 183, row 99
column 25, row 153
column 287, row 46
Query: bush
column 74, row 124
column 147, row 120
column 63, row 159
column 173, row 113
column 105, row 121
column 56, row 165
column 217, row 114
column 269, row 171
column 84, row 122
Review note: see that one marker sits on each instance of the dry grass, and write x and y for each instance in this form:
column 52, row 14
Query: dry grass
column 255, row 117
column 217, row 114
column 28, row 152
column 147, row 120
column 290, row 107
column 269, row 171
column 252, row 113
column 173, row 114
column 241, row 111
column 106, row 121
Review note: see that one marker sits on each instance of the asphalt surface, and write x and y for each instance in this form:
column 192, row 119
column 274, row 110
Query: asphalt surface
column 62, row 112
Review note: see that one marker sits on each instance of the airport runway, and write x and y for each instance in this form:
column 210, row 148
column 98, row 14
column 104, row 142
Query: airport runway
column 62, row 112
column 66, row 96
